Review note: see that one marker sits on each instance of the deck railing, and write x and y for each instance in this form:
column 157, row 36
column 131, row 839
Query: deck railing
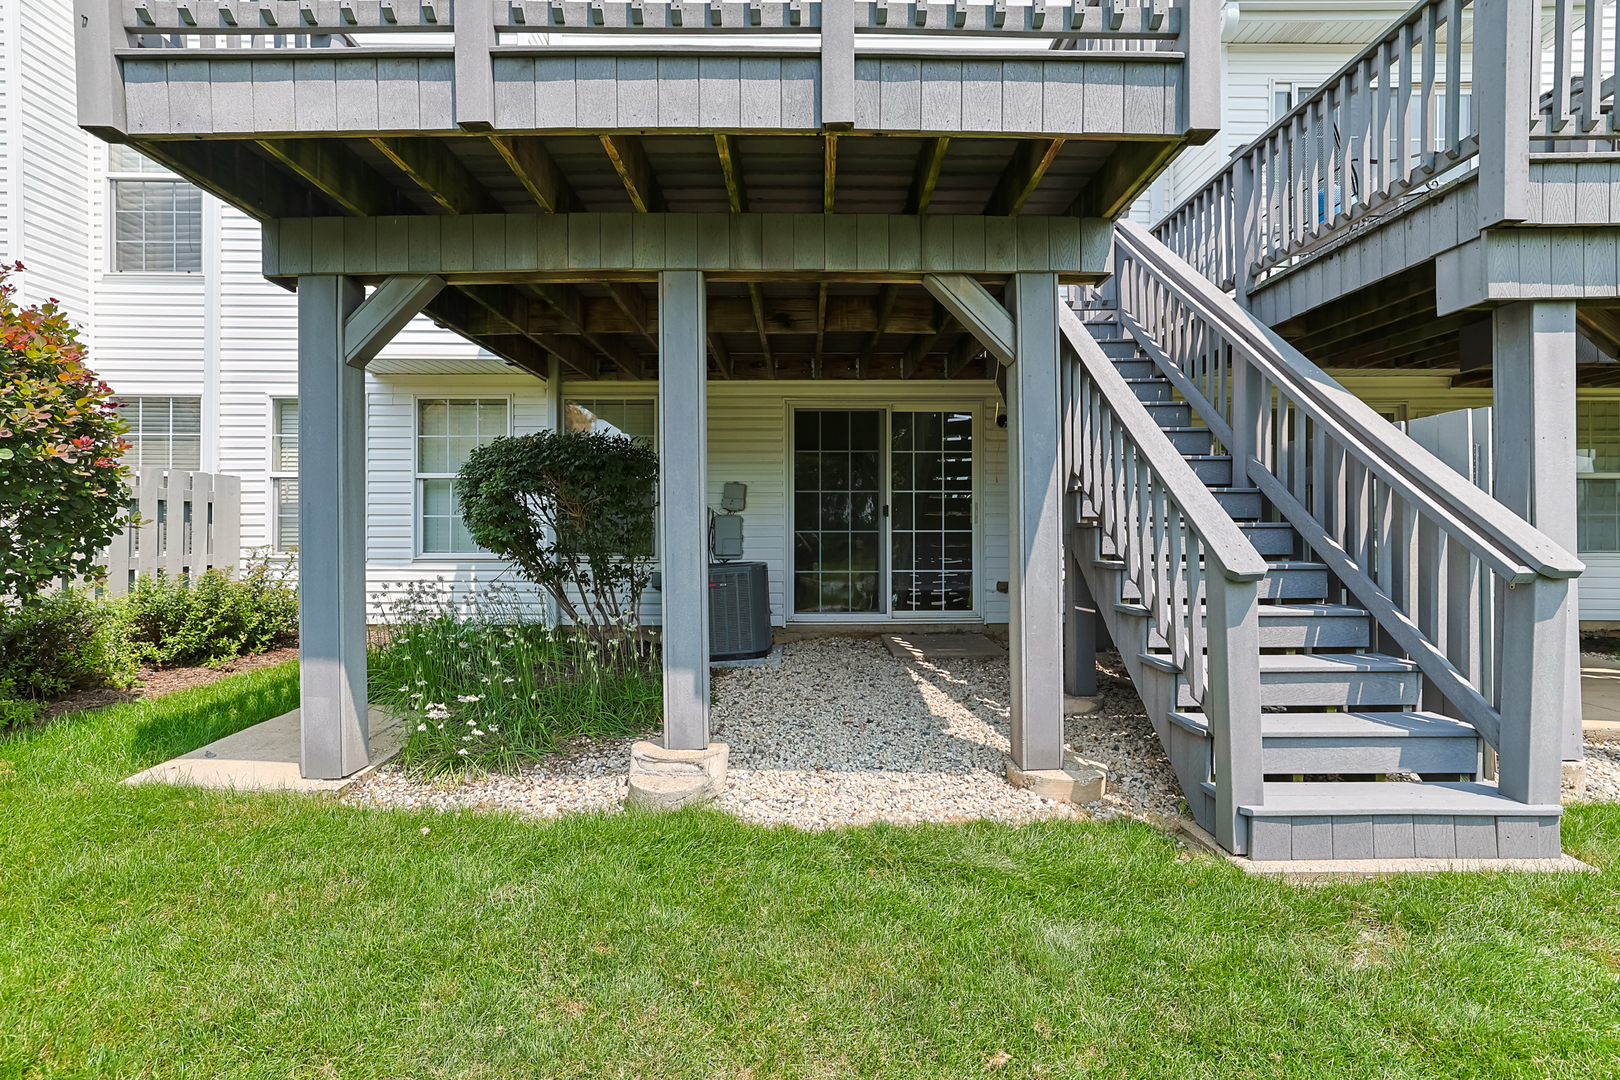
column 1152, row 24
column 1422, row 549
column 1193, row 568
column 1398, row 120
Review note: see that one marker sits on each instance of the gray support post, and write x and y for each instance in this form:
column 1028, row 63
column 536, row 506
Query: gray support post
column 554, row 393
column 1535, row 668
column 1200, row 42
column 475, row 71
column 837, row 65
column 1533, row 418
column 331, row 533
column 1036, row 528
column 1505, row 45
column 98, row 28
column 1232, row 703
column 683, row 501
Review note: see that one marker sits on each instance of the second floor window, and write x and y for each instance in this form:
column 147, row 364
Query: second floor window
column 156, row 216
column 164, row 432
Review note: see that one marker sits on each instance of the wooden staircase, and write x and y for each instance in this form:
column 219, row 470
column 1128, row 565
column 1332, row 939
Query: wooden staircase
column 1345, row 760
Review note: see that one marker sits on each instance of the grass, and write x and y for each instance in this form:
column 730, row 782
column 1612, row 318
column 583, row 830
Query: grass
column 170, row 932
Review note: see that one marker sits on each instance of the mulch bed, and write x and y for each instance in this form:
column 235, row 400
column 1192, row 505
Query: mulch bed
column 157, row 681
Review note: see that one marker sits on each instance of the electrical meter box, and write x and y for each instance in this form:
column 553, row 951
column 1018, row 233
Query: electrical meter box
column 734, row 498
column 728, row 536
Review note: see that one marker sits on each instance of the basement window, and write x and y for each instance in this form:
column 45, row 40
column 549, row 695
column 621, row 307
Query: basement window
column 1597, row 475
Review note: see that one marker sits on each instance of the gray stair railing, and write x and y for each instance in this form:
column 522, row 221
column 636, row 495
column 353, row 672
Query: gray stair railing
column 1476, row 596
column 1194, row 569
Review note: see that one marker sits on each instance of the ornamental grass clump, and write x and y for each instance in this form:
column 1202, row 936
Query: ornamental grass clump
column 484, row 684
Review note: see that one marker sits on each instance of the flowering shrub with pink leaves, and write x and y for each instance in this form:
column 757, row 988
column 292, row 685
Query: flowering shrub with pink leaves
column 63, row 491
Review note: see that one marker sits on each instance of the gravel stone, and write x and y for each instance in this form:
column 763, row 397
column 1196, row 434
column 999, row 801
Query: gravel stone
column 843, row 733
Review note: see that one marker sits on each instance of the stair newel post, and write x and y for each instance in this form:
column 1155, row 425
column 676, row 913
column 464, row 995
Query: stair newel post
column 1530, row 751
column 1246, row 390
column 1232, row 700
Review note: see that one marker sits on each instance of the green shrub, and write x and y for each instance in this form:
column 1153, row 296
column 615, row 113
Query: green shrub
column 57, row 644
column 487, row 686
column 213, row 618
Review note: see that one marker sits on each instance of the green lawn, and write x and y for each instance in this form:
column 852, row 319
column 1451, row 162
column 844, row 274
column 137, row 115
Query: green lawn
column 171, row 932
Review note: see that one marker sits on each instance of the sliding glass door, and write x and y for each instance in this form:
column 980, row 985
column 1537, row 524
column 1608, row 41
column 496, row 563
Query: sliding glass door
column 882, row 512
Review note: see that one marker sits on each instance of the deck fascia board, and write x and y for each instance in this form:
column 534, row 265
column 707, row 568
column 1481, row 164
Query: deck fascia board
column 478, row 248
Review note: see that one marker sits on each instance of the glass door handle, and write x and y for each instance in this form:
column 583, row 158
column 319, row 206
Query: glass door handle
column 885, row 509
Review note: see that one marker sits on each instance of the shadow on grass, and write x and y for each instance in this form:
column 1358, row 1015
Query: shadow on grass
column 179, row 723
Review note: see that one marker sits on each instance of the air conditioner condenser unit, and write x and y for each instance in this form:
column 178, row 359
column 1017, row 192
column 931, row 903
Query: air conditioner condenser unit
column 739, row 610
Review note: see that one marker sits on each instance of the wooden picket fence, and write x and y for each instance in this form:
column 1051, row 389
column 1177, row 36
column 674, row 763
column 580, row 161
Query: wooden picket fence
column 189, row 522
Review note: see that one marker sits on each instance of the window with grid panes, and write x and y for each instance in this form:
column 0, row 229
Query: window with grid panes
column 447, row 431
column 156, row 216
column 164, row 432
column 636, row 418
column 1597, row 469
column 284, row 473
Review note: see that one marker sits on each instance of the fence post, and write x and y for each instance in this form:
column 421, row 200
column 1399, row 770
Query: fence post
column 1232, row 702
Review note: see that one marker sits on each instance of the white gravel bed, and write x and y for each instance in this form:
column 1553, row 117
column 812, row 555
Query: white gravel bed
column 840, row 734
column 1602, row 773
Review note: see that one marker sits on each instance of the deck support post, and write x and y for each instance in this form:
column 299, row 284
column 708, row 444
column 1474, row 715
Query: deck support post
column 331, row 533
column 1533, row 416
column 683, row 506
column 1035, row 563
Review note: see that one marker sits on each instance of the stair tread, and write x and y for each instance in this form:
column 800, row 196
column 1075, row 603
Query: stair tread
column 1308, row 664
column 1346, row 725
column 1460, row 798
column 1277, row 611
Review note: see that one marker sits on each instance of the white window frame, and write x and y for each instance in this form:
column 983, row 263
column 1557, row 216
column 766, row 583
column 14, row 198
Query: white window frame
column 134, row 437
column 110, row 225
column 276, row 475
column 419, row 501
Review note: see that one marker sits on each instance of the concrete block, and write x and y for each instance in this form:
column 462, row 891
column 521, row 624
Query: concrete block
column 662, row 779
column 1080, row 706
column 1079, row 781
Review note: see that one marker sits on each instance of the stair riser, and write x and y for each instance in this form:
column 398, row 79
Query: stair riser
column 1155, row 390
column 1118, row 349
column 1324, row 756
column 1297, row 634
column 1212, row 471
column 1272, row 543
column 1193, row 441
column 1136, row 369
column 1169, row 415
column 1358, row 689
column 1400, row 836
column 1276, row 585
column 1239, row 505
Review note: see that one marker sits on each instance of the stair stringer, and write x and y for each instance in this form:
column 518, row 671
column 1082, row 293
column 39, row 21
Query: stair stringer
column 1190, row 754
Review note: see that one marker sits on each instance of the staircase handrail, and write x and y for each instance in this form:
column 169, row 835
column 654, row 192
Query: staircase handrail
column 1514, row 548
column 1387, row 517
column 1195, row 572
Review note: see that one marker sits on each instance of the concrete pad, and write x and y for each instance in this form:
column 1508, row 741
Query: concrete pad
column 1600, row 691
column 663, row 779
column 1080, row 706
column 1308, row 871
column 770, row 659
column 937, row 647
column 264, row 757
column 1079, row 781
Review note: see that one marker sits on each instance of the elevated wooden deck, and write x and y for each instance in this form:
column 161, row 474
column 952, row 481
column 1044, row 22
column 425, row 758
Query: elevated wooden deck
column 962, row 137
column 1376, row 224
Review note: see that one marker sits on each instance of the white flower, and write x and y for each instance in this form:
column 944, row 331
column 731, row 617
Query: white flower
column 477, row 732
column 508, row 680
column 466, row 738
column 472, row 723
column 421, row 727
column 468, row 699
column 492, row 727
column 426, row 830
column 441, row 727
column 404, row 689
column 462, row 751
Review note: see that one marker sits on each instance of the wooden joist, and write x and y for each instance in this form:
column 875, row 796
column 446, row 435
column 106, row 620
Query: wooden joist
column 1022, row 176
column 532, row 164
column 636, row 173
column 434, row 168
